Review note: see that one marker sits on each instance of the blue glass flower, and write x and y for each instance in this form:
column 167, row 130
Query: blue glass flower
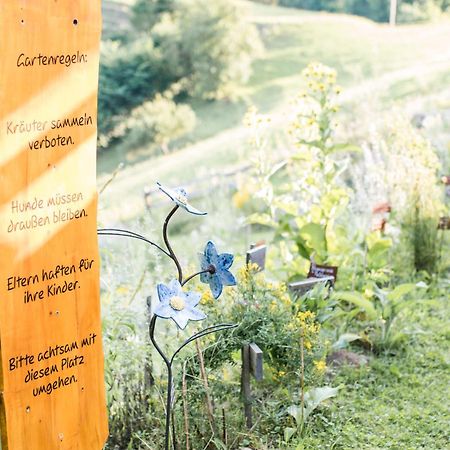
column 217, row 266
column 178, row 305
column 179, row 196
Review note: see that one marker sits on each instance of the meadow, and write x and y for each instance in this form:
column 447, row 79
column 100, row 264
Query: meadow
column 312, row 199
column 379, row 68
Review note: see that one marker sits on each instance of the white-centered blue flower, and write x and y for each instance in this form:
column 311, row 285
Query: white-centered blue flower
column 179, row 196
column 178, row 305
column 217, row 266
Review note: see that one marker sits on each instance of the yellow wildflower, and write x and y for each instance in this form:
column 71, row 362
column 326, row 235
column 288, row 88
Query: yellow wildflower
column 320, row 366
column 240, row 198
column 207, row 298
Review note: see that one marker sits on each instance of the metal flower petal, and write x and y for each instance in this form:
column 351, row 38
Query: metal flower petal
column 227, row 278
column 178, row 305
column 217, row 266
column 226, row 260
column 179, row 197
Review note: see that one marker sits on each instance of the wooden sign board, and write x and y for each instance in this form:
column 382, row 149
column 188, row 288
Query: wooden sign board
column 257, row 255
column 51, row 384
column 318, row 271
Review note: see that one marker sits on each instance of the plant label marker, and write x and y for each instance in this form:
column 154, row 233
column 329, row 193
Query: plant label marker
column 320, row 271
column 52, row 378
column 317, row 274
column 257, row 255
column 256, row 361
column 252, row 355
column 303, row 286
column 444, row 223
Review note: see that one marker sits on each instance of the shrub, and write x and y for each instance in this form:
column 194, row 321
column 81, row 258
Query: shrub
column 147, row 13
column 213, row 46
column 415, row 192
column 129, row 75
column 374, row 9
column 267, row 316
column 159, row 121
column 418, row 11
column 378, row 10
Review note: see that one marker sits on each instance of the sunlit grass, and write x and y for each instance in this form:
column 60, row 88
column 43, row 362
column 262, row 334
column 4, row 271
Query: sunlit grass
column 394, row 65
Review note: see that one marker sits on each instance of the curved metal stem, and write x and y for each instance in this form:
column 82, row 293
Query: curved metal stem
column 169, row 248
column 169, row 380
column 189, row 278
column 130, row 234
column 200, row 334
column 169, row 364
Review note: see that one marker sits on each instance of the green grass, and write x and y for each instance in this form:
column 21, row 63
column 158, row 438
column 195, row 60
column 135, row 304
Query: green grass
column 400, row 401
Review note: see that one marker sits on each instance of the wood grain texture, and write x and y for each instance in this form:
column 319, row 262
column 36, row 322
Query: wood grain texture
column 52, row 385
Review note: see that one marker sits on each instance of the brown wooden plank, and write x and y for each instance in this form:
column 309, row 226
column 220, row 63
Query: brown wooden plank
column 52, row 387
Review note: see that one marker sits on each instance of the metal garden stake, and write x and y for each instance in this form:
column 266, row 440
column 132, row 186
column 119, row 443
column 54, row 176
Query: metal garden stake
column 175, row 302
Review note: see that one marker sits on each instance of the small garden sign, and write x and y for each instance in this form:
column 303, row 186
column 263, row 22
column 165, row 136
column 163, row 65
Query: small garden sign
column 52, row 388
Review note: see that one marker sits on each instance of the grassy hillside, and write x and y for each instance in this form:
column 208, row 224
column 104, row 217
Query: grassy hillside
column 377, row 66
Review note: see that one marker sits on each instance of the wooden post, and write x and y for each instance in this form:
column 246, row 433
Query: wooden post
column 52, row 378
column 246, row 390
column 393, row 13
column 252, row 364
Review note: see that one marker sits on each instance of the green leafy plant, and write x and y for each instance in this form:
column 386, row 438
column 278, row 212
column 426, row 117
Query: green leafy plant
column 304, row 199
column 415, row 194
column 382, row 307
column 313, row 399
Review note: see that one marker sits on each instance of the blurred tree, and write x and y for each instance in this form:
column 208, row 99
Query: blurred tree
column 129, row 75
column 211, row 45
column 204, row 47
column 379, row 10
column 147, row 13
column 414, row 11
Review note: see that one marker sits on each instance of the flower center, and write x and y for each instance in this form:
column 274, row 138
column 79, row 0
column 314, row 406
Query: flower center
column 177, row 303
column 212, row 269
column 181, row 198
